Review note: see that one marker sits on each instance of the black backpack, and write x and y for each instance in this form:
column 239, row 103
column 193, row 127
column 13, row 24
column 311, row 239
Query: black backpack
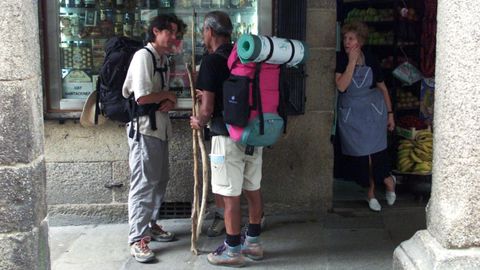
column 119, row 52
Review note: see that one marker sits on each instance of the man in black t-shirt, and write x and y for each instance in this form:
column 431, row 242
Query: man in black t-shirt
column 232, row 170
column 213, row 72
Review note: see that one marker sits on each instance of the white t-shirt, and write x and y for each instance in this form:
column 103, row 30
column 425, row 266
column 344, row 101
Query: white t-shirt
column 139, row 81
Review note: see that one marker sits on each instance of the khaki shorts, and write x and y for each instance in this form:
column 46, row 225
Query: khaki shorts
column 232, row 169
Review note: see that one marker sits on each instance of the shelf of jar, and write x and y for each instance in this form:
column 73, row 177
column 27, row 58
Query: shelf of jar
column 188, row 11
column 89, row 38
column 85, row 39
column 176, row 10
column 81, row 10
column 76, row 10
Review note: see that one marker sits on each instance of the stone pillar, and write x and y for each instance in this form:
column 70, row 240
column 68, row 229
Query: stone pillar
column 452, row 238
column 23, row 229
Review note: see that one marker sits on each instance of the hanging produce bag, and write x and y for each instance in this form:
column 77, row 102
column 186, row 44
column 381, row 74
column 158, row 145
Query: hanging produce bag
column 407, row 73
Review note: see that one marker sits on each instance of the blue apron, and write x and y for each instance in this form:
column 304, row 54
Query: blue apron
column 362, row 116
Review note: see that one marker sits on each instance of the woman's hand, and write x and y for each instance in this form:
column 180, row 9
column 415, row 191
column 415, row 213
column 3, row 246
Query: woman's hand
column 391, row 122
column 354, row 54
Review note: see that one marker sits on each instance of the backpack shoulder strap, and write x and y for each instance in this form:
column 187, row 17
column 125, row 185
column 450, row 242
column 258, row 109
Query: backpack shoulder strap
column 153, row 59
column 283, row 98
column 162, row 70
column 256, row 96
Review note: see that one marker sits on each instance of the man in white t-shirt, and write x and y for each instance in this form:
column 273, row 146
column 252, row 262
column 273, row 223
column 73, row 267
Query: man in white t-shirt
column 148, row 155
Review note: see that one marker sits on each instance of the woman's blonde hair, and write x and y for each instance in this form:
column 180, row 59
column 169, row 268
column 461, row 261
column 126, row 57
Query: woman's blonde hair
column 359, row 28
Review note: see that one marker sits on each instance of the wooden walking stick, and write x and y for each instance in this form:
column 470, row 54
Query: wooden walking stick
column 198, row 210
column 195, row 206
column 205, row 180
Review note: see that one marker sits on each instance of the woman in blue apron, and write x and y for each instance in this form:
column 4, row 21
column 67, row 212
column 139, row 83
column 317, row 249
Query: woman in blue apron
column 364, row 115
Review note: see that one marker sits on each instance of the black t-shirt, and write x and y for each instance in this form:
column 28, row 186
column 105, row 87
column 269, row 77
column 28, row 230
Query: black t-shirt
column 370, row 60
column 213, row 72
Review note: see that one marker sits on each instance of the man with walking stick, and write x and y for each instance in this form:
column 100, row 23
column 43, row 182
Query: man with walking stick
column 232, row 170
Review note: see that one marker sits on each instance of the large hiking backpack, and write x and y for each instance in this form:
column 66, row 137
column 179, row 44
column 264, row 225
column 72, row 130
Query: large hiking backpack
column 119, row 52
column 251, row 99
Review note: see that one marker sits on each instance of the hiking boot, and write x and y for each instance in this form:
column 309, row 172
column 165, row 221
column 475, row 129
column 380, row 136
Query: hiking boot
column 217, row 228
column 226, row 255
column 141, row 251
column 252, row 248
column 159, row 235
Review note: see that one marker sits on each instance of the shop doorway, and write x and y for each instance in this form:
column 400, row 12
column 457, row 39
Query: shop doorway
column 402, row 36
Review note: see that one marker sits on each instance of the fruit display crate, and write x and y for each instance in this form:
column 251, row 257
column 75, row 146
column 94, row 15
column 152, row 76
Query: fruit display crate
column 410, row 133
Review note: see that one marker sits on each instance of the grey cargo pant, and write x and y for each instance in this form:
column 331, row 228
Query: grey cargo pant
column 148, row 160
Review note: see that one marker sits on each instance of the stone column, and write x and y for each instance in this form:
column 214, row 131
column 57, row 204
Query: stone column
column 23, row 229
column 452, row 238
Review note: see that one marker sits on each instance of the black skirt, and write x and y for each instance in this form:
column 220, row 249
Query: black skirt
column 357, row 168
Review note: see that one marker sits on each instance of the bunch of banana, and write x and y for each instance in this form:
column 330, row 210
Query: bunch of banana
column 404, row 162
column 416, row 155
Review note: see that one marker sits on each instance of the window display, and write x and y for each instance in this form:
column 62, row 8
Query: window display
column 76, row 39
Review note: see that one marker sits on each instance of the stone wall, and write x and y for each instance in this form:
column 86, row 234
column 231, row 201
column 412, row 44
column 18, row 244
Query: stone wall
column 297, row 170
column 23, row 229
column 88, row 176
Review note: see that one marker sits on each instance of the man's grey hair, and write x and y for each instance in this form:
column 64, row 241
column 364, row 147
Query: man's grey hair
column 219, row 22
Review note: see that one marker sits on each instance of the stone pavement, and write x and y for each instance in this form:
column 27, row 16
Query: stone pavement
column 347, row 238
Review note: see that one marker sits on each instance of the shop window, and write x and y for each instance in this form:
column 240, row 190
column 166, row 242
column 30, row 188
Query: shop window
column 75, row 32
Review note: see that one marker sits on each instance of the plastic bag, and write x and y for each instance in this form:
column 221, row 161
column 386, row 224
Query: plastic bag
column 407, row 73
